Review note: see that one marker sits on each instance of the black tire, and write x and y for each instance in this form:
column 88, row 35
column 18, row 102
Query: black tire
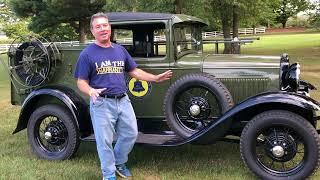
column 209, row 96
column 280, row 144
column 62, row 138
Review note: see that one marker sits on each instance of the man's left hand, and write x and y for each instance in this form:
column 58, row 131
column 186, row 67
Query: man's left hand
column 164, row 76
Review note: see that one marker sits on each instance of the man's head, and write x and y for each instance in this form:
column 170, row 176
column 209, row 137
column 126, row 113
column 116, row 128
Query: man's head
column 100, row 28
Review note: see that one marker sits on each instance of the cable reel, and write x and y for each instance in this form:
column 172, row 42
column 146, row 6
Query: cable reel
column 32, row 60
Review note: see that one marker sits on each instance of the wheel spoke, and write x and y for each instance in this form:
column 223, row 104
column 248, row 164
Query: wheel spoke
column 293, row 162
column 183, row 103
column 271, row 164
column 275, row 134
column 42, row 54
column 184, row 118
column 42, row 130
column 213, row 118
column 287, row 131
column 204, row 92
column 189, row 94
column 32, row 51
column 268, row 140
column 203, row 123
column 283, row 166
column 181, row 108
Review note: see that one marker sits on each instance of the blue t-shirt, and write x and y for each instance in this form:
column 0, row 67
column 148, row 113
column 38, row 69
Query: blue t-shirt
column 105, row 67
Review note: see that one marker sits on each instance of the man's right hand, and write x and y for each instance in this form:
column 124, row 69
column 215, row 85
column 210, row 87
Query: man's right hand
column 94, row 93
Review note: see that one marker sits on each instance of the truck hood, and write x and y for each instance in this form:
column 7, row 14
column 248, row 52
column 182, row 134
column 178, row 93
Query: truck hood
column 244, row 75
column 240, row 61
column 242, row 66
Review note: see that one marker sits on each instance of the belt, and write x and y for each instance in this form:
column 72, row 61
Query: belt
column 116, row 96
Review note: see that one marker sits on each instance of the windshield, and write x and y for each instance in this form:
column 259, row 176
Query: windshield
column 187, row 39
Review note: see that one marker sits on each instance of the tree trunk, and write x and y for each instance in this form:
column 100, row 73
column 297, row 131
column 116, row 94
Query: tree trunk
column 82, row 31
column 283, row 24
column 226, row 26
column 235, row 29
column 178, row 6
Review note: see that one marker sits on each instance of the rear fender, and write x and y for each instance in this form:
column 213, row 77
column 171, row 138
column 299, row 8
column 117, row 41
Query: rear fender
column 246, row 110
column 30, row 104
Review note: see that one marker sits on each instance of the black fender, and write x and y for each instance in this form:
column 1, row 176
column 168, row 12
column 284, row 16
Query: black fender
column 65, row 96
column 249, row 108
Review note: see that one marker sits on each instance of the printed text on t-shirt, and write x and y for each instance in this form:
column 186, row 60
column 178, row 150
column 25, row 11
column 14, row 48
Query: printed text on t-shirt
column 109, row 67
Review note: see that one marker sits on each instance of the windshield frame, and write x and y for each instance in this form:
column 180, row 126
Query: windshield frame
column 187, row 39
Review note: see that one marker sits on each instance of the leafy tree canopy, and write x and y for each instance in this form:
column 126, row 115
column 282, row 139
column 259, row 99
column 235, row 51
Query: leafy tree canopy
column 51, row 14
column 11, row 25
column 315, row 17
column 284, row 9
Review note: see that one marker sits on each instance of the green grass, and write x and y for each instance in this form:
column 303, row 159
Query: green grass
column 217, row 161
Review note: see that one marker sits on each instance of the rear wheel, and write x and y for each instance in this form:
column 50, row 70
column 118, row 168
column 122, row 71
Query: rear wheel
column 280, row 145
column 53, row 133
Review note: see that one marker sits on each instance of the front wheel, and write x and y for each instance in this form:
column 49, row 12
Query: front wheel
column 53, row 133
column 280, row 145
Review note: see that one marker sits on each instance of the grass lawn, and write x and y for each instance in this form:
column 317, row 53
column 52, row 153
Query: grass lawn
column 218, row 161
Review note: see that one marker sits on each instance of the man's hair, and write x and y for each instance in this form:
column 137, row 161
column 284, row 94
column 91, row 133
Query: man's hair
column 97, row 15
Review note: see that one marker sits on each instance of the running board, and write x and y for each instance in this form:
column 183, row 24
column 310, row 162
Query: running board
column 150, row 139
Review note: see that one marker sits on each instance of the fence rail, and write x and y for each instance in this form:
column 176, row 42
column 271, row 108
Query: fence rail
column 242, row 31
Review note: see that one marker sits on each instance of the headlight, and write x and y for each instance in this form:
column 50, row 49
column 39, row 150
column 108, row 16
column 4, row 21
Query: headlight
column 292, row 77
column 284, row 67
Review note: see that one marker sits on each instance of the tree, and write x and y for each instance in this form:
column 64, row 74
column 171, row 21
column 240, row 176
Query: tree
column 16, row 29
column 284, row 9
column 11, row 25
column 6, row 15
column 233, row 12
column 52, row 14
column 259, row 13
column 121, row 5
column 315, row 17
column 140, row 5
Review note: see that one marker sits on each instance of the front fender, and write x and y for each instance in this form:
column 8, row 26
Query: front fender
column 249, row 108
column 28, row 105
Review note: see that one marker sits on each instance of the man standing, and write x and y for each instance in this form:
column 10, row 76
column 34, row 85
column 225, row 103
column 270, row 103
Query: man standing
column 100, row 74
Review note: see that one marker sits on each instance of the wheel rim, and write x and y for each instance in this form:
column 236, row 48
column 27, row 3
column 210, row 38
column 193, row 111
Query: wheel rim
column 51, row 134
column 280, row 150
column 195, row 107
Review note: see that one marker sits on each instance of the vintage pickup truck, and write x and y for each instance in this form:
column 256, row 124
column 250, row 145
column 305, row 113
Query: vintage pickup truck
column 258, row 100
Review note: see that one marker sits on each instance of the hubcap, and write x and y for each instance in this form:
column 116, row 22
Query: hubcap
column 195, row 107
column 55, row 133
column 280, row 146
column 47, row 135
column 281, row 151
column 278, row 151
column 195, row 110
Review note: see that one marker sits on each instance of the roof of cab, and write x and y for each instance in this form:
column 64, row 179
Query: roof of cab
column 142, row 16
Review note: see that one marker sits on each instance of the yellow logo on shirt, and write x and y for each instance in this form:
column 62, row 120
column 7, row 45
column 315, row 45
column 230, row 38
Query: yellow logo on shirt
column 108, row 66
column 109, row 69
column 139, row 88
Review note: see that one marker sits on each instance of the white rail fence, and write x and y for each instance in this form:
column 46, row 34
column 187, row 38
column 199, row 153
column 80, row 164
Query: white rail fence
column 242, row 31
column 205, row 35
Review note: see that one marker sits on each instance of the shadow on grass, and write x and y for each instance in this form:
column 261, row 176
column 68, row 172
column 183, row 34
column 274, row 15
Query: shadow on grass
column 201, row 161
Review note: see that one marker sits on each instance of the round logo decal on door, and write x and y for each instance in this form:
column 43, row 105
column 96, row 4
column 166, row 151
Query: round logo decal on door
column 139, row 88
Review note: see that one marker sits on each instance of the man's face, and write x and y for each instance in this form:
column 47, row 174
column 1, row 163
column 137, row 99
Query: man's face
column 101, row 29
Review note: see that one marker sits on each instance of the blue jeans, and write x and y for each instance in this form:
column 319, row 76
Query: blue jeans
column 113, row 118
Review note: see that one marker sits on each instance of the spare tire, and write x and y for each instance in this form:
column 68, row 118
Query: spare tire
column 194, row 101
